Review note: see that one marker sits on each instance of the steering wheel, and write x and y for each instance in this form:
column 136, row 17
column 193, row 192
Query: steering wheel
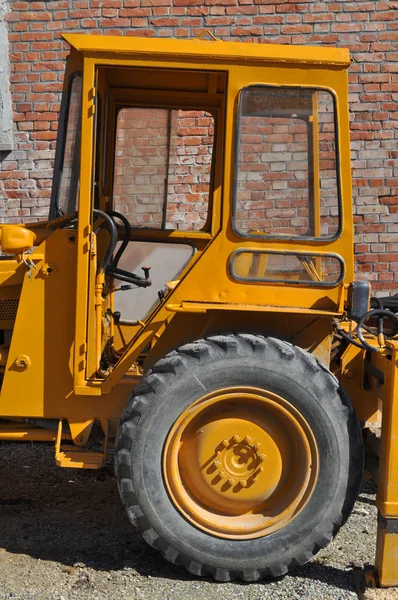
column 109, row 264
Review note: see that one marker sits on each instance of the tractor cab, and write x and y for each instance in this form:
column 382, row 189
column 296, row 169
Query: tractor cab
column 169, row 152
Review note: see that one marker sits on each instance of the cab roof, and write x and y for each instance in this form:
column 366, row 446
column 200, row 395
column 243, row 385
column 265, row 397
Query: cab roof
column 212, row 50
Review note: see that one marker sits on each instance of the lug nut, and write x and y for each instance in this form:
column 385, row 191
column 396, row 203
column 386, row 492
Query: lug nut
column 248, row 440
column 217, row 464
column 243, row 483
column 225, row 443
column 257, row 447
column 237, row 438
column 231, row 481
column 261, row 457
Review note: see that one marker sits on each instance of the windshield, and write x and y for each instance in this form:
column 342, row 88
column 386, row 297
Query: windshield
column 67, row 159
column 287, row 172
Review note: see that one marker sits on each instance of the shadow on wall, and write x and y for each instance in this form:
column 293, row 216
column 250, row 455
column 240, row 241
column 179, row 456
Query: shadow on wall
column 5, row 155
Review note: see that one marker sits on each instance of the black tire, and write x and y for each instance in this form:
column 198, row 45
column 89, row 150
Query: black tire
column 227, row 360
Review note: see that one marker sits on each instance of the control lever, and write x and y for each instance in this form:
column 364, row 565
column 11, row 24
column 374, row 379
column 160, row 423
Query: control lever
column 146, row 275
column 135, row 280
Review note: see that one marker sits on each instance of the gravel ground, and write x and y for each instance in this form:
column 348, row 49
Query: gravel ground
column 64, row 535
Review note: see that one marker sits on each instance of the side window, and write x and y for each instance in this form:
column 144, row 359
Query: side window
column 287, row 267
column 287, row 181
column 69, row 160
column 162, row 167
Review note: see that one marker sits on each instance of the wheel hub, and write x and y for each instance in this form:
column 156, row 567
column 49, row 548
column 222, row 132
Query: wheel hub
column 240, row 462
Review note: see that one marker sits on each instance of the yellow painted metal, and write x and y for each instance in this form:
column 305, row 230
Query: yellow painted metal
column 72, row 458
column 223, row 289
column 384, row 370
column 43, row 331
column 28, row 435
column 352, row 376
column 197, row 307
column 387, row 490
column 314, row 137
column 80, row 431
column 174, row 50
column 240, row 462
column 79, row 460
column 15, row 239
column 84, row 224
column 62, row 296
column 386, row 557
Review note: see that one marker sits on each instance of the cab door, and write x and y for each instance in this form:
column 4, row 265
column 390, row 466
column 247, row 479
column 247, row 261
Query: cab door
column 158, row 165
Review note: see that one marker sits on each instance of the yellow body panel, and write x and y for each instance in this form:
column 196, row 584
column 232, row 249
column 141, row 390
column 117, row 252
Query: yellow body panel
column 172, row 50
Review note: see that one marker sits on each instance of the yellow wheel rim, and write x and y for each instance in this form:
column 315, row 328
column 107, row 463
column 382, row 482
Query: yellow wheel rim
column 240, row 462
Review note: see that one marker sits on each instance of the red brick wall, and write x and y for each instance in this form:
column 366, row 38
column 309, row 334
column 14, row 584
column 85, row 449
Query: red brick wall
column 369, row 29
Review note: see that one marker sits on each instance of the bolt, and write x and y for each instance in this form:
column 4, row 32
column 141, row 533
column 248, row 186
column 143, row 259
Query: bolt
column 248, row 440
column 217, row 464
column 243, row 483
column 225, row 443
column 222, row 474
column 257, row 447
column 218, row 453
column 256, row 474
column 231, row 481
column 236, row 438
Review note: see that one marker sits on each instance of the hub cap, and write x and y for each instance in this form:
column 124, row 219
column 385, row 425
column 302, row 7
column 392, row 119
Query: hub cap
column 240, row 462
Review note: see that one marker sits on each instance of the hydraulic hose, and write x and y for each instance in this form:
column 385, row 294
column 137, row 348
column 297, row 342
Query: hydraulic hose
column 113, row 231
column 127, row 235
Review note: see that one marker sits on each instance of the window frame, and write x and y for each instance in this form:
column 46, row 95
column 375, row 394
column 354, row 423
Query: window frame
column 236, row 145
column 54, row 211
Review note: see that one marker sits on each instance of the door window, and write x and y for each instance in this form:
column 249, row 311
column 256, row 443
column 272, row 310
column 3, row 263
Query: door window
column 162, row 167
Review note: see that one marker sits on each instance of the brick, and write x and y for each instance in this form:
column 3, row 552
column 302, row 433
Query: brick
column 289, row 29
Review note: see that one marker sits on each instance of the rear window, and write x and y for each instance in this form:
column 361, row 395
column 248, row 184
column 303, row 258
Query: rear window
column 286, row 164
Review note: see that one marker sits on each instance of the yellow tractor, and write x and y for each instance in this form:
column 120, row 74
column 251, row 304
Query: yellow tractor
column 190, row 305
